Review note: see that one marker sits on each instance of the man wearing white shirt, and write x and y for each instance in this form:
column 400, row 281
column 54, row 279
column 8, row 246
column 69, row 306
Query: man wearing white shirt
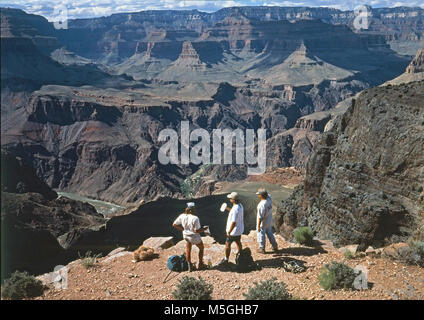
column 264, row 221
column 235, row 225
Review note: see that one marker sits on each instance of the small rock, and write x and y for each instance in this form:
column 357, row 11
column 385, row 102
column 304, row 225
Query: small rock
column 236, row 287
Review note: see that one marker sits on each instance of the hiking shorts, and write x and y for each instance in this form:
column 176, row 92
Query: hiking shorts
column 193, row 239
column 231, row 239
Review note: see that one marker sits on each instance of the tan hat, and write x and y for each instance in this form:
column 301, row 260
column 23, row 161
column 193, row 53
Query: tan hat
column 262, row 192
column 234, row 196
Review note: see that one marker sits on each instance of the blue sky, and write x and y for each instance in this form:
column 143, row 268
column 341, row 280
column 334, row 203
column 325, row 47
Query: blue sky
column 96, row 8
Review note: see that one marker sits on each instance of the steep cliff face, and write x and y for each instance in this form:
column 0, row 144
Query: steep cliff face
column 38, row 229
column 417, row 65
column 364, row 180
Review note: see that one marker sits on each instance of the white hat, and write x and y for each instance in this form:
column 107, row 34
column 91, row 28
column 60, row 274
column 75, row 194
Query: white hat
column 190, row 205
column 233, row 195
column 262, row 192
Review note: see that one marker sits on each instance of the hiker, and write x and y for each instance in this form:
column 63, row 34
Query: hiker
column 235, row 226
column 189, row 224
column 264, row 221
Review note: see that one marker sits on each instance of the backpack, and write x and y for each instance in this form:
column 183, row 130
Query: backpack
column 177, row 263
column 245, row 262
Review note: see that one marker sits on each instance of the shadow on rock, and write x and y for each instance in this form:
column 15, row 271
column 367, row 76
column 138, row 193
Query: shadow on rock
column 301, row 251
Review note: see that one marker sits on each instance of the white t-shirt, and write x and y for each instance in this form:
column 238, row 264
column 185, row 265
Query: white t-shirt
column 236, row 215
column 265, row 212
column 189, row 222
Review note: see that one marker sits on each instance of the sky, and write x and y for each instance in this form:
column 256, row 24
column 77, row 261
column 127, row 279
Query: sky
column 97, row 8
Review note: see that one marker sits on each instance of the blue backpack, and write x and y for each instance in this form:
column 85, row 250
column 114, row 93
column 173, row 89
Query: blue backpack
column 177, row 263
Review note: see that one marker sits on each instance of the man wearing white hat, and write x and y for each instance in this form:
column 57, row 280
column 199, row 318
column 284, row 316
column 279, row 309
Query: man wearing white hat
column 235, row 225
column 264, row 221
column 189, row 224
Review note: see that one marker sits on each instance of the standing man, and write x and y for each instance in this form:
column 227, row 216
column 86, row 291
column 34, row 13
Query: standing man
column 189, row 224
column 264, row 221
column 235, row 226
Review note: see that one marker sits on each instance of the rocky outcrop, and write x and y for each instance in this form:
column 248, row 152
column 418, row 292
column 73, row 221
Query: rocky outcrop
column 364, row 180
column 417, row 64
column 17, row 177
column 38, row 229
column 414, row 71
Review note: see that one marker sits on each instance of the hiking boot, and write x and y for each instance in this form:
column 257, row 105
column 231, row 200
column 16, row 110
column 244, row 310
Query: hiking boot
column 260, row 250
column 191, row 267
column 202, row 266
column 223, row 263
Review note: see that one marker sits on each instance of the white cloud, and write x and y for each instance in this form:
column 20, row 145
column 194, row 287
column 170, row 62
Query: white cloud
column 95, row 8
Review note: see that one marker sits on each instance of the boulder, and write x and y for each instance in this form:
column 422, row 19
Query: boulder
column 392, row 251
column 116, row 255
column 370, row 251
column 115, row 251
column 159, row 242
column 327, row 244
column 353, row 248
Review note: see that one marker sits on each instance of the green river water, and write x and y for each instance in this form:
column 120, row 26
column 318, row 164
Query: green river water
column 107, row 209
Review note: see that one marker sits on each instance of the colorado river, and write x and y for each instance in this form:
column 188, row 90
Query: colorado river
column 107, row 209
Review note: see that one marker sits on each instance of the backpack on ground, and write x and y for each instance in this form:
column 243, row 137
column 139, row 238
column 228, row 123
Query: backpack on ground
column 245, row 262
column 176, row 263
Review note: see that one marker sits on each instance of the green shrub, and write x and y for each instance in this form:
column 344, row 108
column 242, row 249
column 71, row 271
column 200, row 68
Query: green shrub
column 190, row 288
column 89, row 259
column 413, row 254
column 189, row 186
column 337, row 276
column 268, row 290
column 21, row 285
column 304, row 235
column 349, row 254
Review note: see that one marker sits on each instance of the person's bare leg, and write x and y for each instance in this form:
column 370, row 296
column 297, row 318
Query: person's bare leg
column 201, row 251
column 188, row 251
column 239, row 246
column 227, row 250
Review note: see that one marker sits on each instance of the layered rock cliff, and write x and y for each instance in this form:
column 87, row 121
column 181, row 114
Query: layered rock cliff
column 87, row 131
column 364, row 180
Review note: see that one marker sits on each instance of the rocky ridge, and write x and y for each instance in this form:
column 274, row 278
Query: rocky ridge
column 364, row 178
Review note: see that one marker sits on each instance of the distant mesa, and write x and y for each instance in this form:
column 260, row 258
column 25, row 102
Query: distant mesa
column 189, row 58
